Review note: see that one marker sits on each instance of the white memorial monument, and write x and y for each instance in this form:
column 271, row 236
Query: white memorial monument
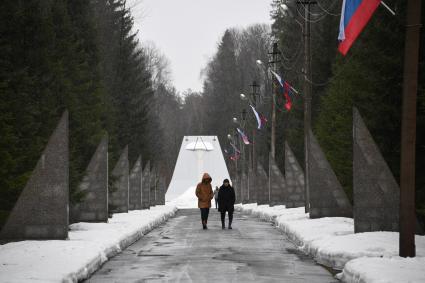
column 198, row 155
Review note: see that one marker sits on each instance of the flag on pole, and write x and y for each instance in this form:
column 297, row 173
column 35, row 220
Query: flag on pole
column 278, row 78
column 234, row 148
column 236, row 152
column 243, row 136
column 287, row 90
column 261, row 120
column 355, row 15
column 235, row 157
column 282, row 82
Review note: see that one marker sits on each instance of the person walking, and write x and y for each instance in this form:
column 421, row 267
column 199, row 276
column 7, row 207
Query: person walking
column 204, row 193
column 216, row 197
column 226, row 202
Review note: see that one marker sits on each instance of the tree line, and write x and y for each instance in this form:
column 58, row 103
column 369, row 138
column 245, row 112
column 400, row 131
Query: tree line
column 370, row 78
column 83, row 56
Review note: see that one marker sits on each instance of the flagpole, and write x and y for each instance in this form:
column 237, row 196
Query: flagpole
column 275, row 52
column 254, row 94
column 307, row 100
column 408, row 130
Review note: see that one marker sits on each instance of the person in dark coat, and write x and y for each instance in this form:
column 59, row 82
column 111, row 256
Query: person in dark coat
column 226, row 202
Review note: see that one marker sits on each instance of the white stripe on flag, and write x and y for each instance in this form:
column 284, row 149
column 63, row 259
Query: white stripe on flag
column 256, row 116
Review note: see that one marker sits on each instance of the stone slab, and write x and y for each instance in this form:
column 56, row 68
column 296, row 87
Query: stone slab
column 94, row 205
column 327, row 197
column 375, row 191
column 136, row 175
column 118, row 200
column 244, row 187
column 276, row 184
column 41, row 211
column 252, row 193
column 161, row 191
column 153, row 185
column 295, row 183
column 236, row 183
column 262, row 185
column 146, row 186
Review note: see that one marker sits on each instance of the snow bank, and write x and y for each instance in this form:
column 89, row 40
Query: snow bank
column 384, row 270
column 88, row 247
column 331, row 241
column 187, row 200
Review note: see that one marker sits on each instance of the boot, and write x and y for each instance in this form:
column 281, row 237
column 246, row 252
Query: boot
column 222, row 225
column 230, row 225
column 204, row 225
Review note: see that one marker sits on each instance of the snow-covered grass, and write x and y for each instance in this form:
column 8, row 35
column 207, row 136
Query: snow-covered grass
column 331, row 241
column 88, row 247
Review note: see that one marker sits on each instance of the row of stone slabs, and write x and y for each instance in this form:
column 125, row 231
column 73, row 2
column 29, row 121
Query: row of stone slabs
column 43, row 210
column 376, row 194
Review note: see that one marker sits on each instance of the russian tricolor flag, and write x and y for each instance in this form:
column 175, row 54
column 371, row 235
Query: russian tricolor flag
column 287, row 90
column 261, row 120
column 243, row 136
column 355, row 15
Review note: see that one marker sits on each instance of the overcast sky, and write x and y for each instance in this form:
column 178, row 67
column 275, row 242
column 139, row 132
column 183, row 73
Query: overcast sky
column 187, row 31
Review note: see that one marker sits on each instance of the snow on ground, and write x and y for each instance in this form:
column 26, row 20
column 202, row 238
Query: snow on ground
column 88, row 247
column 331, row 241
column 187, row 200
column 384, row 270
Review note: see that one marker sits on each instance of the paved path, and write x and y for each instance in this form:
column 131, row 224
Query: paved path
column 180, row 251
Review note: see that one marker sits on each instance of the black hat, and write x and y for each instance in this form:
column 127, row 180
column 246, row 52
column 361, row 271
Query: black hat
column 226, row 181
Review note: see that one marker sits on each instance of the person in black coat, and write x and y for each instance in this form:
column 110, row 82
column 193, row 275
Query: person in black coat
column 226, row 202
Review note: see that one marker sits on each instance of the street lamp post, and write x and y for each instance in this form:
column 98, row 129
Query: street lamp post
column 241, row 123
column 307, row 90
column 275, row 59
column 307, row 98
column 254, row 95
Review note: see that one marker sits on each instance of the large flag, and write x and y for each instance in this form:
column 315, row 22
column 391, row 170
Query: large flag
column 243, row 136
column 287, row 90
column 261, row 120
column 282, row 82
column 355, row 15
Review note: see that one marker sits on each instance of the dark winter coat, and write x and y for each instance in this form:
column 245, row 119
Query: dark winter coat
column 226, row 199
column 204, row 192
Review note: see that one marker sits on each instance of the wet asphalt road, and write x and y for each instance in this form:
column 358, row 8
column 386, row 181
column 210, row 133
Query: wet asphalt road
column 180, row 251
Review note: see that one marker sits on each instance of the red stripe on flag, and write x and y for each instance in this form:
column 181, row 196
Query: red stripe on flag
column 357, row 23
